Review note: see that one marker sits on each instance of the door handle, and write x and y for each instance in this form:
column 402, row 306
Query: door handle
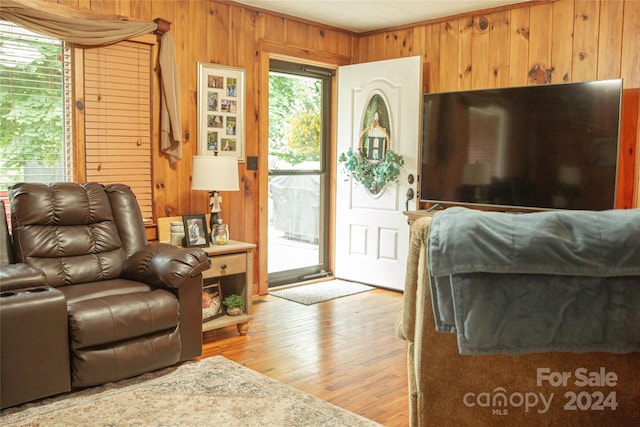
column 410, row 194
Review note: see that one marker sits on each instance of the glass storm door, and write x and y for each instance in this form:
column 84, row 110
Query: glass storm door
column 299, row 99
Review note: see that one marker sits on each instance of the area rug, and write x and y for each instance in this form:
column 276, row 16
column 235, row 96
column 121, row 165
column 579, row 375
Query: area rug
column 321, row 291
column 211, row 392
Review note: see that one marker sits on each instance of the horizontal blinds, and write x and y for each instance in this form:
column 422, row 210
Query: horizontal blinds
column 117, row 113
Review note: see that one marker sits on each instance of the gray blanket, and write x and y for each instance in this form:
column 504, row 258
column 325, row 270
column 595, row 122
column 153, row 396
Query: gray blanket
column 582, row 243
column 549, row 281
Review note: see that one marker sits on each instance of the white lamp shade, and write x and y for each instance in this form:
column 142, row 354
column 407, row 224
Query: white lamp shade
column 213, row 173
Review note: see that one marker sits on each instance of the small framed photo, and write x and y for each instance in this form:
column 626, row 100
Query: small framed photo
column 211, row 302
column 195, row 231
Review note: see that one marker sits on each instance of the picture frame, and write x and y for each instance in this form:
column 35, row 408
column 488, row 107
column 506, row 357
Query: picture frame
column 221, row 111
column 196, row 234
column 212, row 307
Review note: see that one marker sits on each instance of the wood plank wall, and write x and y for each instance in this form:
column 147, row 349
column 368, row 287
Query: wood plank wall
column 535, row 42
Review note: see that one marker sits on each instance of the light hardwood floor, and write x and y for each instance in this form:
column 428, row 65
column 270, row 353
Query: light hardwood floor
column 344, row 351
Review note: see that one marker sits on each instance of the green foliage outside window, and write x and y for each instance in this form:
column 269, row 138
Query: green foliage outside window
column 294, row 118
column 31, row 106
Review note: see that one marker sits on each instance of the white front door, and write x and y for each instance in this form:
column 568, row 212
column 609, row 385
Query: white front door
column 372, row 233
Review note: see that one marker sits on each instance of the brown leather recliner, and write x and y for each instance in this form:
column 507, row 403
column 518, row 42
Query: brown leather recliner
column 130, row 306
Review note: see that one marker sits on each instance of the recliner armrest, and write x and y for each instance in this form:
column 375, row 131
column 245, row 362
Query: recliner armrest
column 166, row 266
column 21, row 276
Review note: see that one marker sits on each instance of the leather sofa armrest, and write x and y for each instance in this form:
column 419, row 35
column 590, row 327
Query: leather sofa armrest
column 20, row 276
column 166, row 266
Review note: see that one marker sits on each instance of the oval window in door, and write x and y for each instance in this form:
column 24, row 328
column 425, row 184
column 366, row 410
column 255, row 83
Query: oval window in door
column 374, row 139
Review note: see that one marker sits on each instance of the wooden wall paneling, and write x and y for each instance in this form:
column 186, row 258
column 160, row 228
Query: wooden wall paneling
column 370, row 48
column 273, row 28
column 585, row 40
column 315, row 36
column 363, row 47
column 480, row 51
column 519, row 47
column 238, row 32
column 562, row 41
column 626, row 193
column 610, row 40
column 263, row 173
column 388, row 48
column 296, row 33
column 218, row 36
column 141, row 10
column 334, row 42
column 419, row 42
column 630, row 59
column 338, row 42
column 105, row 7
column 244, row 204
column 123, row 7
column 226, row 47
column 328, row 40
column 84, row 4
column 165, row 178
column 196, row 44
column 80, row 172
column 630, row 72
column 447, row 65
column 249, row 180
column 465, row 53
column 378, row 49
column 428, row 47
column 399, row 44
column 307, row 35
column 186, row 54
column 499, row 35
column 540, row 44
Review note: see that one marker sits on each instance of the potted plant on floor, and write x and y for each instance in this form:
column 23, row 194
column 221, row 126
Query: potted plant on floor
column 234, row 304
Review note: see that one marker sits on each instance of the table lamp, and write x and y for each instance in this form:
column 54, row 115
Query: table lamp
column 215, row 174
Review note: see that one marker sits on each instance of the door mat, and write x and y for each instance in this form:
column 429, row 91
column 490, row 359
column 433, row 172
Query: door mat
column 322, row 291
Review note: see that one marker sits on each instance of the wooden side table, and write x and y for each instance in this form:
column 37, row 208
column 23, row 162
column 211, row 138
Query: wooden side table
column 232, row 266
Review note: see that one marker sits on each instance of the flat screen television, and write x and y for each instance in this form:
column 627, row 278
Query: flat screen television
column 535, row 147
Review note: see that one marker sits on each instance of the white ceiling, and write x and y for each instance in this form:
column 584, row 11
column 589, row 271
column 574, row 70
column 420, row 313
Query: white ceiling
column 368, row 15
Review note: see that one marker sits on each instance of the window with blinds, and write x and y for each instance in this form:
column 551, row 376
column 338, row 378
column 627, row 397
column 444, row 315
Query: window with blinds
column 117, row 118
column 35, row 108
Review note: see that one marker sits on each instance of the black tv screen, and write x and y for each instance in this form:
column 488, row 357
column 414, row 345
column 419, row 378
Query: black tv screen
column 539, row 147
